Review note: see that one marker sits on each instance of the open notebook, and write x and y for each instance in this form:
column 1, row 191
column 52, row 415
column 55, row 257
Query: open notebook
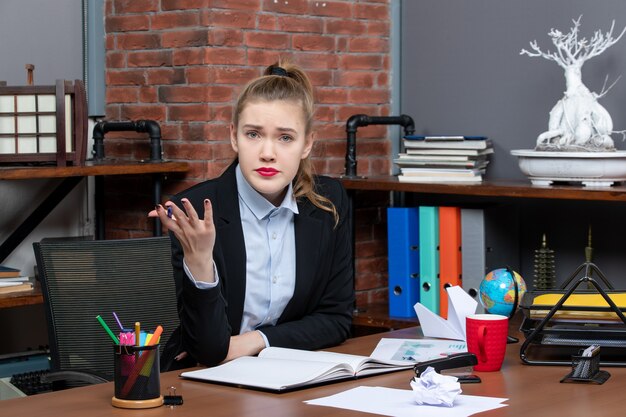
column 280, row 369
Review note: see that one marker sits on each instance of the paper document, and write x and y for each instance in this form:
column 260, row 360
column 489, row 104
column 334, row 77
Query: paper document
column 416, row 350
column 460, row 305
column 400, row 403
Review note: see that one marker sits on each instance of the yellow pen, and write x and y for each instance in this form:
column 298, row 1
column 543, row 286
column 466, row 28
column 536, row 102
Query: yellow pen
column 137, row 333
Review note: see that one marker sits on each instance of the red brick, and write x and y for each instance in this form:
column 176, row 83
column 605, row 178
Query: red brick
column 368, row 281
column 115, row 60
column 191, row 112
column 266, row 40
column 170, row 131
column 343, row 27
column 313, row 60
column 371, row 265
column 224, row 150
column 184, row 4
column 225, row 37
column 233, row 19
column 331, row 95
column 328, row 8
column 375, row 96
column 222, row 113
column 122, row 94
column 331, row 131
column 321, row 78
column 300, row 24
column 135, row 6
column 298, row 7
column 380, row 28
column 174, row 20
column 355, row 79
column 189, row 56
column 224, row 56
column 185, row 39
column 371, row 11
column 127, row 23
column 148, row 94
column 361, row 62
column 237, row 4
column 192, row 151
column 325, row 114
column 125, row 77
column 138, row 41
column 112, row 112
column 344, row 112
column 313, row 43
column 165, row 76
column 234, row 75
column 368, row 45
column 138, row 112
column 199, row 75
column 149, row 59
column 266, row 22
column 264, row 57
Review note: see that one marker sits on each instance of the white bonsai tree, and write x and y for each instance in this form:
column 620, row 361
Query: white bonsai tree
column 577, row 121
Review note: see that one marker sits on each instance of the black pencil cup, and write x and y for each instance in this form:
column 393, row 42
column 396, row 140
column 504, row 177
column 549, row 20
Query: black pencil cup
column 137, row 377
column 587, row 369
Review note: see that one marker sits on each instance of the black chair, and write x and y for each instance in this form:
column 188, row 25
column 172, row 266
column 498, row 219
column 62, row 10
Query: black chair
column 82, row 279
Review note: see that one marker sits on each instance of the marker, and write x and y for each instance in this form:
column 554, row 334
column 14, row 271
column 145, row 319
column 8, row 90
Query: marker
column 119, row 323
column 137, row 334
column 104, row 325
column 155, row 336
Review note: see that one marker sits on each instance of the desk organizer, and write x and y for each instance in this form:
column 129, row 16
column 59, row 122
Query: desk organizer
column 40, row 124
column 557, row 323
column 586, row 369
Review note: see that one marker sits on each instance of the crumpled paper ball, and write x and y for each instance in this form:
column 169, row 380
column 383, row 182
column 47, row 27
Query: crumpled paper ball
column 435, row 389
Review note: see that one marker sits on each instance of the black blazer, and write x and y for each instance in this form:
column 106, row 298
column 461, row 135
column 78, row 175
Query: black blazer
column 319, row 313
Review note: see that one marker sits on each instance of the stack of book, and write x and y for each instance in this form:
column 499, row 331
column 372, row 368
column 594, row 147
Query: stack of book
column 444, row 158
column 12, row 281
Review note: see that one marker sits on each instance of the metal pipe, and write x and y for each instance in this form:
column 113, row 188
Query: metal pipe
column 358, row 120
column 150, row 127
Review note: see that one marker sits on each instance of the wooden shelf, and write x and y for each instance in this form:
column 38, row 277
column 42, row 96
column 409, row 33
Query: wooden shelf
column 377, row 315
column 22, row 298
column 511, row 189
column 91, row 168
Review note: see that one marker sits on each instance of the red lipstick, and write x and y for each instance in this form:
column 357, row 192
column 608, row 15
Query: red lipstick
column 267, row 171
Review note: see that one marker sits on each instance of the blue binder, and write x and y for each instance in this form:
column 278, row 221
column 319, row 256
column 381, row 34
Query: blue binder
column 403, row 263
column 429, row 257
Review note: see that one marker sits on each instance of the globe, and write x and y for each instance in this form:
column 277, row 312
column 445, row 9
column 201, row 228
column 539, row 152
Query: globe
column 497, row 291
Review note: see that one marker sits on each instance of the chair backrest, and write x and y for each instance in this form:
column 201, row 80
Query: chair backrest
column 82, row 279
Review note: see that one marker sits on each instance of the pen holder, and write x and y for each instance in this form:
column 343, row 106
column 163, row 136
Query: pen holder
column 586, row 369
column 137, row 377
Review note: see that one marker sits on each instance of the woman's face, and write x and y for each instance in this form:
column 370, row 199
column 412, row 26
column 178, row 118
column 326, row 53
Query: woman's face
column 270, row 140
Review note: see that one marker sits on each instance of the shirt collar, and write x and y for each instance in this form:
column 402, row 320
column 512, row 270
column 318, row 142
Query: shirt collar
column 257, row 204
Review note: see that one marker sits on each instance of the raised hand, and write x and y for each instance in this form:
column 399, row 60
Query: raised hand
column 196, row 236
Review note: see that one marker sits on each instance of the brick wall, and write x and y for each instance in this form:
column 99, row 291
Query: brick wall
column 182, row 63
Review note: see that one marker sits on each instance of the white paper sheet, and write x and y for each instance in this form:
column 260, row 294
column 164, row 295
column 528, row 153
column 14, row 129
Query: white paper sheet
column 460, row 305
column 416, row 350
column 400, row 403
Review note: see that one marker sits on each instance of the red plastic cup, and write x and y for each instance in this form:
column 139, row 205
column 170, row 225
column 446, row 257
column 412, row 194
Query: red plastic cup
column 486, row 338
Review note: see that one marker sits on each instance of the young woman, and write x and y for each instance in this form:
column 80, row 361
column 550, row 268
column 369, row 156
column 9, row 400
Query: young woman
column 262, row 254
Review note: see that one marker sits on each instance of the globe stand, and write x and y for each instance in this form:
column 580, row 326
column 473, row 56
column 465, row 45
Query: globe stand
column 511, row 339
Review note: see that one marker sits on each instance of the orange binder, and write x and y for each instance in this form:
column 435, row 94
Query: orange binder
column 449, row 254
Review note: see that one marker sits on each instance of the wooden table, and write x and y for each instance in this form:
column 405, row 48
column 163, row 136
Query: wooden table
column 532, row 391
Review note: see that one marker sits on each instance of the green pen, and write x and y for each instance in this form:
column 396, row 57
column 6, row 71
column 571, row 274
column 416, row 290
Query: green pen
column 103, row 324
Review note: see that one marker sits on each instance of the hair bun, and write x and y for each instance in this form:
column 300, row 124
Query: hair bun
column 276, row 70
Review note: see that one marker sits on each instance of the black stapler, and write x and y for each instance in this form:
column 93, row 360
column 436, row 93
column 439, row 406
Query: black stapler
column 461, row 362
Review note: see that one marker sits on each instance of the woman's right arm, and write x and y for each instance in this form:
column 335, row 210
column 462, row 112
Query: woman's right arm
column 204, row 324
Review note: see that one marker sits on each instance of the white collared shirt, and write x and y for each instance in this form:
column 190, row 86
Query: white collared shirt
column 270, row 256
